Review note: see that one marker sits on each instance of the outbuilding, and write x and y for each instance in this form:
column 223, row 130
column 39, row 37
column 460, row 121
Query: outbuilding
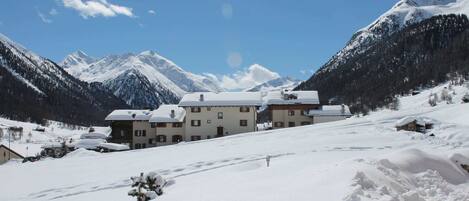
column 7, row 154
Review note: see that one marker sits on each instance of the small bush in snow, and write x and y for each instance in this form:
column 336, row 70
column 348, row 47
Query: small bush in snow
column 147, row 186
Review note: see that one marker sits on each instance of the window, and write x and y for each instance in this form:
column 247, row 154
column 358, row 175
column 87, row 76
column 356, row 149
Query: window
column 161, row 138
column 195, row 109
column 153, row 125
column 150, row 141
column 209, row 137
column 144, row 145
column 291, row 112
column 291, row 124
column 195, row 123
column 161, row 125
column 122, row 133
column 139, row 133
column 304, row 123
column 177, row 138
column 209, row 121
column 177, row 125
column 244, row 109
column 278, row 124
column 196, row 138
column 220, row 115
column 243, row 123
column 209, row 109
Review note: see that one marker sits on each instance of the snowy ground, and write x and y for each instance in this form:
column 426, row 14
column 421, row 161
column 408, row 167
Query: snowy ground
column 30, row 145
column 352, row 160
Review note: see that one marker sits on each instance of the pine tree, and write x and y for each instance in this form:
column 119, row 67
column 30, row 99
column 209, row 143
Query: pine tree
column 147, row 187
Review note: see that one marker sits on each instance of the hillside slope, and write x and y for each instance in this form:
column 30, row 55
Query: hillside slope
column 420, row 55
column 356, row 159
column 35, row 88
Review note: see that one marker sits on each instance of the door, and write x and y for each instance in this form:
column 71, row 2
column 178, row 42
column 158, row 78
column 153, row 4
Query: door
column 219, row 131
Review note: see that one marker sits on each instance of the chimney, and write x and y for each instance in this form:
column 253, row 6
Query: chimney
column 343, row 109
column 173, row 114
column 201, row 97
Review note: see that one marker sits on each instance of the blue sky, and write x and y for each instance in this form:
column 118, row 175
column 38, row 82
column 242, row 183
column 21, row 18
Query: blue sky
column 292, row 38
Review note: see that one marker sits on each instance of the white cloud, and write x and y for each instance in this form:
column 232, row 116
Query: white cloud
column 44, row 18
column 151, row 12
column 53, row 12
column 247, row 78
column 96, row 8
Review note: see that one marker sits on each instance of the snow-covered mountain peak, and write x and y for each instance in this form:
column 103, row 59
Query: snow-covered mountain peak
column 261, row 73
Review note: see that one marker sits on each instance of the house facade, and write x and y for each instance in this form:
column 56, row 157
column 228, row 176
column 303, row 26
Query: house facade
column 168, row 121
column 290, row 108
column 210, row 115
column 328, row 113
column 206, row 115
column 7, row 154
column 131, row 127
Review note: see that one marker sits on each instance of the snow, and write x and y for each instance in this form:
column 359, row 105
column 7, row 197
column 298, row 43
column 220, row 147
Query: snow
column 88, row 143
column 222, row 99
column 163, row 114
column 130, row 115
column 276, row 85
column 156, row 68
column 331, row 110
column 93, row 135
column 303, row 97
column 419, row 121
column 55, row 132
column 402, row 14
column 114, row 146
column 358, row 159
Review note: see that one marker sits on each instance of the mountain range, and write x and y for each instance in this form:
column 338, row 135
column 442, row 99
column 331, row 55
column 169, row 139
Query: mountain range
column 34, row 88
column 416, row 44
column 147, row 79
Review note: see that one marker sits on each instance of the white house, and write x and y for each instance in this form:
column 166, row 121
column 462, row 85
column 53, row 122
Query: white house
column 210, row 115
column 168, row 122
column 329, row 113
column 289, row 108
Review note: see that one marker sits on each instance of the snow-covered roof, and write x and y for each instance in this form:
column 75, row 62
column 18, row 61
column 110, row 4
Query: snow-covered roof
column 114, row 146
column 422, row 121
column 93, row 135
column 331, row 110
column 164, row 114
column 88, row 143
column 221, row 99
column 286, row 97
column 129, row 115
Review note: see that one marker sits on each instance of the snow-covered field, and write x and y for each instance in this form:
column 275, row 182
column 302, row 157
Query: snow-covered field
column 32, row 140
column 356, row 159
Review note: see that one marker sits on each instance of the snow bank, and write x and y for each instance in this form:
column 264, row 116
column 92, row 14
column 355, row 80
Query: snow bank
column 93, row 135
column 419, row 120
column 88, row 143
column 81, row 152
column 114, row 146
column 411, row 175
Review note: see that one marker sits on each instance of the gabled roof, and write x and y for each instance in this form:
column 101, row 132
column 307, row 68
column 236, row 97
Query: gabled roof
column 163, row 114
column 129, row 115
column 286, row 97
column 331, row 110
column 221, row 99
column 10, row 150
